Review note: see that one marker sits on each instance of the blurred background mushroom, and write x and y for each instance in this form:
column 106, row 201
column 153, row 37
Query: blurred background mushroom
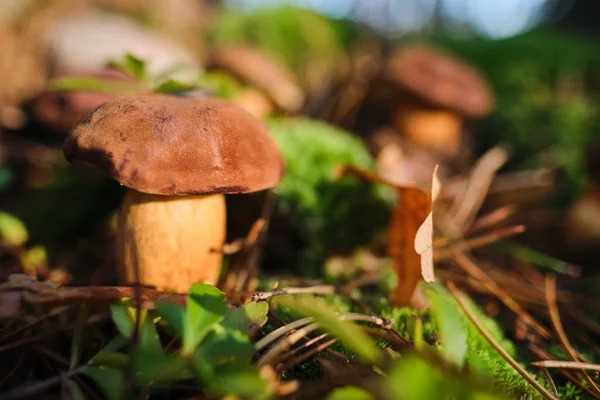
column 272, row 86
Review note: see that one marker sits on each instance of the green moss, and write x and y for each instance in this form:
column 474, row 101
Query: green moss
column 329, row 216
column 480, row 356
column 300, row 39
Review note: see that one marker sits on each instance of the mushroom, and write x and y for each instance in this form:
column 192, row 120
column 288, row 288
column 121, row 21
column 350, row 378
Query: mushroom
column 261, row 71
column 60, row 111
column 177, row 157
column 435, row 94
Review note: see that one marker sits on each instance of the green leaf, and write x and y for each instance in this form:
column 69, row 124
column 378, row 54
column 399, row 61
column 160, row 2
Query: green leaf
column 75, row 391
column 12, row 231
column 226, row 346
column 206, row 306
column 131, row 65
column 110, row 359
column 219, row 85
column 245, row 383
column 89, row 84
column 172, row 314
column 452, row 327
column 173, row 86
column 115, row 344
column 111, row 381
column 346, row 331
column 80, row 324
column 350, row 393
column 124, row 317
column 151, row 367
column 241, row 318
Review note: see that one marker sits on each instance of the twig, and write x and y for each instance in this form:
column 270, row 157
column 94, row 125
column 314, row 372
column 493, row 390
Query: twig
column 6, row 377
column 304, row 356
column 566, row 364
column 492, row 218
column 514, row 181
column 71, row 295
column 20, row 330
column 465, row 207
column 472, row 269
column 550, row 382
column 305, row 330
column 323, row 289
column 479, row 241
column 277, row 333
column 31, row 389
column 564, row 372
column 555, row 318
column 458, row 296
column 306, row 345
column 50, row 354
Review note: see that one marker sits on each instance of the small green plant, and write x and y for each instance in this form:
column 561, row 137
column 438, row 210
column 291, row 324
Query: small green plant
column 315, row 203
column 137, row 69
column 214, row 347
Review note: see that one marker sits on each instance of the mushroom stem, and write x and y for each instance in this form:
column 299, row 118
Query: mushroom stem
column 433, row 128
column 171, row 238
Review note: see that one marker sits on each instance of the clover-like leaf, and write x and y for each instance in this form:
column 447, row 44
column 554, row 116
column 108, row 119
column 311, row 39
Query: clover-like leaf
column 124, row 317
column 226, row 346
column 452, row 328
column 245, row 383
column 172, row 314
column 110, row 381
column 242, row 318
column 206, row 307
column 154, row 367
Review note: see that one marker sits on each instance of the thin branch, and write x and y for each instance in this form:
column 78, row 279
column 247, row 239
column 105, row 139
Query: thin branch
column 472, row 269
column 33, row 388
column 479, row 241
column 492, row 218
column 286, row 343
column 304, row 356
column 566, row 364
column 564, row 372
column 459, row 298
column 550, row 381
column 322, row 289
column 465, row 207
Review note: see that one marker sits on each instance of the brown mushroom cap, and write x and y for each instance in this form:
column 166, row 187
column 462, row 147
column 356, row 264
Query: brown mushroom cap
column 169, row 145
column 260, row 70
column 440, row 79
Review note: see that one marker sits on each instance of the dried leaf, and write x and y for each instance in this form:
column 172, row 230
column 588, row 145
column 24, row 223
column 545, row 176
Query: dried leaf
column 408, row 215
column 424, row 237
column 410, row 234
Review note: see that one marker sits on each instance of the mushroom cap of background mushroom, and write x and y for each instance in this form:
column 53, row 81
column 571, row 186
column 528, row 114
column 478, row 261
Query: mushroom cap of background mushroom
column 168, row 145
column 440, row 79
column 61, row 110
column 260, row 70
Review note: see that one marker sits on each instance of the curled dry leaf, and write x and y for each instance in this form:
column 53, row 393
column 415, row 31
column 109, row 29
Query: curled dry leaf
column 424, row 237
column 410, row 241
